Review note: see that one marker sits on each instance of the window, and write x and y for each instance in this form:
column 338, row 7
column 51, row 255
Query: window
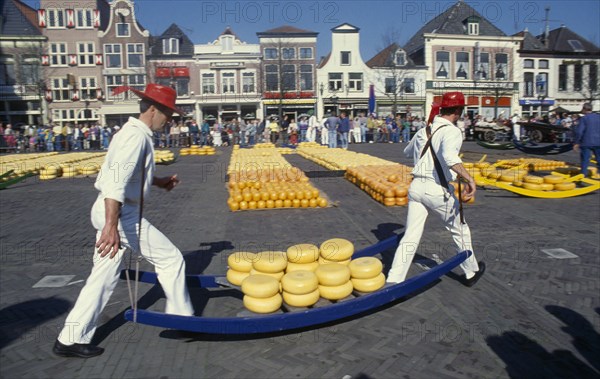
column 400, row 58
column 541, row 84
column 462, row 62
column 578, row 77
column 335, row 81
column 61, row 116
column 58, row 54
column 227, row 43
column 112, row 55
column 576, row 45
column 483, row 70
column 248, row 85
column 135, row 55
column 208, row 83
column 228, row 82
column 563, row 77
column 182, row 86
column 122, row 29
column 137, row 81
column 170, row 46
column 528, row 84
column 543, row 63
column 306, row 77
column 272, row 77
column 501, row 67
column 7, row 71
column 390, row 85
column 288, row 53
column 86, row 54
column 409, row 85
column 112, row 82
column 473, row 29
column 528, row 63
column 60, row 89
column 83, row 19
column 30, row 70
column 288, row 77
column 88, row 88
column 270, row 53
column 593, row 79
column 56, row 18
column 345, row 57
column 442, row 63
column 306, row 53
column 355, row 81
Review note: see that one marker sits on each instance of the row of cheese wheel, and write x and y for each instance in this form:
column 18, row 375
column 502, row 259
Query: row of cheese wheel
column 310, row 273
column 197, row 150
column 387, row 184
column 519, row 178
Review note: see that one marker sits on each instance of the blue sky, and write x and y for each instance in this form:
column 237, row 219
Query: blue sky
column 203, row 21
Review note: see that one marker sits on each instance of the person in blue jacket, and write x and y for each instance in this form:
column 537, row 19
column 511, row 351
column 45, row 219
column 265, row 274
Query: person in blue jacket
column 587, row 137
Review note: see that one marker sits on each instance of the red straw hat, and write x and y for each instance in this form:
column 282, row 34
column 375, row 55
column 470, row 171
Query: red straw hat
column 156, row 93
column 453, row 99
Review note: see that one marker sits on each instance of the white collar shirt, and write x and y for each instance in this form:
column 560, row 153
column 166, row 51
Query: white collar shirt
column 446, row 144
column 121, row 173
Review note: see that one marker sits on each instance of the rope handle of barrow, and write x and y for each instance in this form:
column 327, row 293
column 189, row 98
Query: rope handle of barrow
column 460, row 201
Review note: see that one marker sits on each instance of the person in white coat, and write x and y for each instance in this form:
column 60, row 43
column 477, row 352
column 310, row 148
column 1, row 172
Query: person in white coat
column 429, row 190
column 126, row 174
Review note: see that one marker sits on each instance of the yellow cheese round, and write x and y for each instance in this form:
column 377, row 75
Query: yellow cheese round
column 532, row 186
column 332, row 274
column 236, row 277
column 276, row 275
column 337, row 249
column 270, row 261
column 260, row 286
column 47, row 177
column 300, row 282
column 323, row 261
column 365, row 267
column 533, row 179
column 553, row 179
column 565, row 186
column 291, row 267
column 547, row 186
column 264, row 305
column 303, row 253
column 241, row 261
column 336, row 292
column 369, row 285
column 305, row 300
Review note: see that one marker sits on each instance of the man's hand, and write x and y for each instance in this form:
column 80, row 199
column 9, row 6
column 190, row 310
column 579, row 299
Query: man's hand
column 468, row 190
column 576, row 148
column 167, row 182
column 109, row 241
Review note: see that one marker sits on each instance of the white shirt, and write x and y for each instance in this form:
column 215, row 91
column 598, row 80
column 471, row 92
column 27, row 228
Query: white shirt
column 121, row 173
column 446, row 144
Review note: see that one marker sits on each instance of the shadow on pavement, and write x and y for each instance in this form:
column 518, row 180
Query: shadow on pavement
column 19, row 319
column 525, row 358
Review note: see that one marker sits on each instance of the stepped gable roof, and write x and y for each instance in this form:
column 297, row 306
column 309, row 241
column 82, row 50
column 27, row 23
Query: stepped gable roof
column 186, row 47
column 19, row 19
column 565, row 40
column 324, row 60
column 530, row 43
column 452, row 21
column 287, row 30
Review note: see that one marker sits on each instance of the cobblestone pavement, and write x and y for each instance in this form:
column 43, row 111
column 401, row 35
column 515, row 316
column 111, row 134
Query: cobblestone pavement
column 531, row 316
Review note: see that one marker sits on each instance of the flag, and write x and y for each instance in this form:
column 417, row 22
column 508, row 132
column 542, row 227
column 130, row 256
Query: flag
column 371, row 98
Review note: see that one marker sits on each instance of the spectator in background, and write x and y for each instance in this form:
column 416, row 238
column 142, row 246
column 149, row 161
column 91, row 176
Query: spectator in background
column 332, row 124
column 587, row 138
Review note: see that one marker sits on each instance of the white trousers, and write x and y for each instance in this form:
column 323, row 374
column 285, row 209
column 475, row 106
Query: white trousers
column 81, row 322
column 425, row 195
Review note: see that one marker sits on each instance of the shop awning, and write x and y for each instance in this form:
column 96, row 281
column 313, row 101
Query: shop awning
column 290, row 101
column 163, row 72
column 181, row 72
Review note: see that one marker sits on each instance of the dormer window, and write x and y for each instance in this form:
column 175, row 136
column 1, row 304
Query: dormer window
column 400, row 58
column 227, row 43
column 170, row 46
column 473, row 26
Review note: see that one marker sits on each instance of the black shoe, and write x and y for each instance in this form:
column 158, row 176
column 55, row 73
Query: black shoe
column 76, row 350
column 471, row 282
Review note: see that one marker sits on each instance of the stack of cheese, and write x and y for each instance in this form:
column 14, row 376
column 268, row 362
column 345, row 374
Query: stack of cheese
column 261, row 293
column 333, row 272
column 240, row 264
column 366, row 274
column 302, row 257
column 300, row 288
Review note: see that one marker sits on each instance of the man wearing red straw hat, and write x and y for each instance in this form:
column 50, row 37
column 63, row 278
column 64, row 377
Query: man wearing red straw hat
column 123, row 182
column 435, row 150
